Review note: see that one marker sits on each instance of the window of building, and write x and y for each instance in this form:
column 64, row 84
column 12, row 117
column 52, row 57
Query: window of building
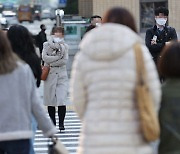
column 147, row 8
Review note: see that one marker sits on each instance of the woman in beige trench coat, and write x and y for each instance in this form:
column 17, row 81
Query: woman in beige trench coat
column 55, row 54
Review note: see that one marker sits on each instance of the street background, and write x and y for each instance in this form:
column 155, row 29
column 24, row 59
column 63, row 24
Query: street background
column 143, row 11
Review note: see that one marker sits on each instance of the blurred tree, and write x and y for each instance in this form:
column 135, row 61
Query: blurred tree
column 71, row 7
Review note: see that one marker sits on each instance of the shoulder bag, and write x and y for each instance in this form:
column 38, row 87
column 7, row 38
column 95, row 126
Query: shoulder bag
column 148, row 116
column 45, row 72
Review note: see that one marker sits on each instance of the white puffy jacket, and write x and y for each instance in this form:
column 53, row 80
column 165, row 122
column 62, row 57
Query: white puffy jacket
column 102, row 89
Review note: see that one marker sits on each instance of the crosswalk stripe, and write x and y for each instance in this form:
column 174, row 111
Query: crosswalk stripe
column 46, row 148
column 45, row 143
column 69, row 137
column 63, row 139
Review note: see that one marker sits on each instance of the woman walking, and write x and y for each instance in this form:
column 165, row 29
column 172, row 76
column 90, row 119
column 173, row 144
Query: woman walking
column 18, row 102
column 22, row 44
column 103, row 87
column 55, row 55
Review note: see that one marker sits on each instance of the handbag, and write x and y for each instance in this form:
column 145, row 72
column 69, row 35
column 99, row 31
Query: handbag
column 45, row 72
column 148, row 116
column 56, row 147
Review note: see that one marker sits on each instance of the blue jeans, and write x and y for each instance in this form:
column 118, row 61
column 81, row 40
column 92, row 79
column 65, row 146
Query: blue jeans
column 34, row 128
column 15, row 147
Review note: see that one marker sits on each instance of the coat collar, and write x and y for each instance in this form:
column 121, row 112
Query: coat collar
column 165, row 28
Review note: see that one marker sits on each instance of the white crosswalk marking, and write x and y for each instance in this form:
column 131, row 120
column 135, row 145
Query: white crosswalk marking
column 69, row 137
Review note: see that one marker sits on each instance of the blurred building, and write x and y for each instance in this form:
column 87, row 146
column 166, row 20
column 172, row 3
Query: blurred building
column 143, row 10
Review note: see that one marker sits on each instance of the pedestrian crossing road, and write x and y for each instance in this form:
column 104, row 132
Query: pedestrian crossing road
column 69, row 137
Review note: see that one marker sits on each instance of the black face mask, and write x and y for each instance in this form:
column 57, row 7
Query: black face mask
column 44, row 29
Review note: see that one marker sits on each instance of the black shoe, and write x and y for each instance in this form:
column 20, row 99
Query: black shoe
column 61, row 128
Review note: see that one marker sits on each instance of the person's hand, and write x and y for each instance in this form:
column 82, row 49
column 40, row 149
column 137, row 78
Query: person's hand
column 153, row 42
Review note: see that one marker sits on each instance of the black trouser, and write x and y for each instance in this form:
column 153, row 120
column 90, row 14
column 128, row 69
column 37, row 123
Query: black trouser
column 61, row 114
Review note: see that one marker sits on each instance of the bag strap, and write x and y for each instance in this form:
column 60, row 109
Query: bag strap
column 140, row 67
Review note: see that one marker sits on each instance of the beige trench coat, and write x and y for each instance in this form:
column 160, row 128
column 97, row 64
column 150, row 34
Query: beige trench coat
column 56, row 84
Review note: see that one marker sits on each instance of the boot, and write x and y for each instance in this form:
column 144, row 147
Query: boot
column 61, row 114
column 52, row 112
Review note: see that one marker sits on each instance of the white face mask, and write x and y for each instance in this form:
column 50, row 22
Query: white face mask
column 98, row 24
column 57, row 39
column 161, row 21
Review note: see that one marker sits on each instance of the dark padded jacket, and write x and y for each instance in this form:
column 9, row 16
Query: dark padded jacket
column 164, row 36
column 169, row 117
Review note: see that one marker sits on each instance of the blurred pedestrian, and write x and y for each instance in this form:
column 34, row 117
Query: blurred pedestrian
column 18, row 101
column 55, row 54
column 22, row 44
column 103, row 87
column 169, row 67
column 41, row 38
column 95, row 21
column 160, row 34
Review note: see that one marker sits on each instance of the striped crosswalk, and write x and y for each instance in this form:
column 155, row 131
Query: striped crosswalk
column 69, row 137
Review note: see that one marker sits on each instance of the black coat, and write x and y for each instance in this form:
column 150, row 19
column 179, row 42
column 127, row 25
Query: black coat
column 164, row 36
column 35, row 63
column 41, row 38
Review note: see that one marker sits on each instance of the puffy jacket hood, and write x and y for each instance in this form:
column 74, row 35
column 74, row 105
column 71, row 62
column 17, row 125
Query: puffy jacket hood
column 108, row 42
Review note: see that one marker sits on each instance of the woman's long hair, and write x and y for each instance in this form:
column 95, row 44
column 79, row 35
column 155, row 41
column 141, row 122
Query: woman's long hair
column 21, row 41
column 8, row 59
column 22, row 44
column 120, row 16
